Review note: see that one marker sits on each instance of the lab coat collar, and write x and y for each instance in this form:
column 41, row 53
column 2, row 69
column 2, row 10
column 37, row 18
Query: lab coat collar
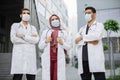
column 94, row 23
column 23, row 24
column 53, row 30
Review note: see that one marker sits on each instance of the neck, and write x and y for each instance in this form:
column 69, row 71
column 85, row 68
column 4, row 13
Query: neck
column 25, row 23
column 91, row 22
column 56, row 28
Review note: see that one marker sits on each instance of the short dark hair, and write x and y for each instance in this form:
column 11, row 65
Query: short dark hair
column 91, row 8
column 24, row 9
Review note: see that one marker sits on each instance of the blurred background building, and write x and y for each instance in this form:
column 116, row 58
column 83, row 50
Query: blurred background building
column 45, row 8
column 40, row 10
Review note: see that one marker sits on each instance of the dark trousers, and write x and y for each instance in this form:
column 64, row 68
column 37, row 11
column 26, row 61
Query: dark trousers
column 87, row 75
column 19, row 77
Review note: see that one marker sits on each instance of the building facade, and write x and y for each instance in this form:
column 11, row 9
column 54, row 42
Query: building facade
column 45, row 8
column 106, row 9
column 40, row 11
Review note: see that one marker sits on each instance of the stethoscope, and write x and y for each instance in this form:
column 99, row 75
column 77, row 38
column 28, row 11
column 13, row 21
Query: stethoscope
column 21, row 26
column 81, row 31
column 61, row 30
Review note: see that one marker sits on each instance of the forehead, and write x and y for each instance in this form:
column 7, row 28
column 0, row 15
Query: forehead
column 25, row 11
column 54, row 17
column 88, row 10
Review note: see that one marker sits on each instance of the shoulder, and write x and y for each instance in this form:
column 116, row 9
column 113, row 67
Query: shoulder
column 81, row 28
column 32, row 26
column 64, row 31
column 15, row 25
column 100, row 25
column 46, row 30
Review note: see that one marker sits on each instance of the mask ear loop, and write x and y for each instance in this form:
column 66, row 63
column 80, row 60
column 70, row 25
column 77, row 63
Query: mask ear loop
column 47, row 33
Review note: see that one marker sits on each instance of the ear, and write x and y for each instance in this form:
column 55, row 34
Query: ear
column 94, row 15
column 20, row 15
column 59, row 23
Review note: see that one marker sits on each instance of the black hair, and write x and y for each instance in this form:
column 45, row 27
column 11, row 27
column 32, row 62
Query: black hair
column 91, row 8
column 24, row 9
column 54, row 15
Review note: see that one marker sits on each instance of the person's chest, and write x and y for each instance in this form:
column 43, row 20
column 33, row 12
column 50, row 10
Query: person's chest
column 89, row 29
column 24, row 30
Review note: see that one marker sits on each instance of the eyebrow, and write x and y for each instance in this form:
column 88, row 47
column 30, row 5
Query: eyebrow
column 55, row 18
column 25, row 12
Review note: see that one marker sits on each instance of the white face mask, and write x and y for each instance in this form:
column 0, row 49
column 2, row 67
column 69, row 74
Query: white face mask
column 88, row 17
column 26, row 17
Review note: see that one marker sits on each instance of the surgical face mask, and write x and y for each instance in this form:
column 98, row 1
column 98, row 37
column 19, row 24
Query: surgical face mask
column 88, row 17
column 26, row 17
column 55, row 23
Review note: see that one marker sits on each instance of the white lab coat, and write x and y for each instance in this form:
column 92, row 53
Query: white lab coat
column 95, row 52
column 24, row 51
column 61, row 55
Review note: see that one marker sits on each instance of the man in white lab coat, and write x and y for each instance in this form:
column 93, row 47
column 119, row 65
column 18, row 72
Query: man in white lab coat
column 90, row 48
column 24, row 36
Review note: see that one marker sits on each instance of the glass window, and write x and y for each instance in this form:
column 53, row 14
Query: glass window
column 48, row 15
column 103, row 15
column 41, row 9
column 54, row 9
column 42, row 27
column 49, row 3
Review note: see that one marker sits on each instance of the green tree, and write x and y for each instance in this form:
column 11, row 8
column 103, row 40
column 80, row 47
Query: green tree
column 111, row 25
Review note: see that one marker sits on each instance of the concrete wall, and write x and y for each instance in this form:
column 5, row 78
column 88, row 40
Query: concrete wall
column 98, row 4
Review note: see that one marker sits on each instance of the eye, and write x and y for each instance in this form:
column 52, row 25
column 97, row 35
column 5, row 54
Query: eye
column 28, row 13
column 87, row 12
column 54, row 19
column 25, row 13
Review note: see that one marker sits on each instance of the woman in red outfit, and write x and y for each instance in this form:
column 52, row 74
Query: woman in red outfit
column 54, row 42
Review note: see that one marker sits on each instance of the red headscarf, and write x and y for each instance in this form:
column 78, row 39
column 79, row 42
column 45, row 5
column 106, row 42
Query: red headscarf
column 50, row 20
column 54, row 34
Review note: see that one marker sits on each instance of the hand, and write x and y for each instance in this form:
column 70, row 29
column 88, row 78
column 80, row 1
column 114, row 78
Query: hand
column 77, row 40
column 59, row 40
column 93, row 42
column 34, row 35
column 20, row 36
column 48, row 40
